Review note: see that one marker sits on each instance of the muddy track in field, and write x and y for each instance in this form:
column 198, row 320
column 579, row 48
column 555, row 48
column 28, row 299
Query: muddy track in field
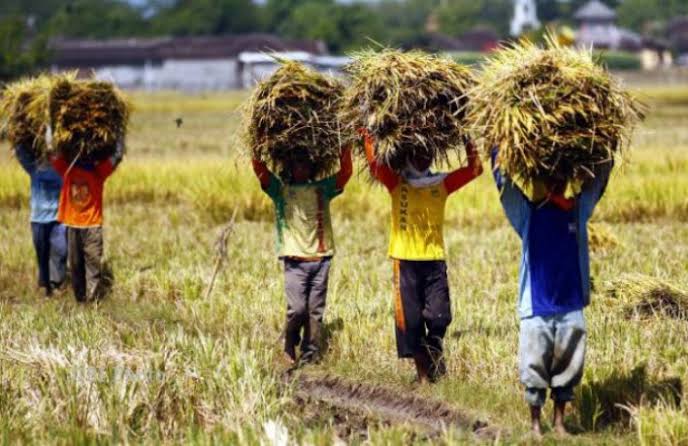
column 388, row 405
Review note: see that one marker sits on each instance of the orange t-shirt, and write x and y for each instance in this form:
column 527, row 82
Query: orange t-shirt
column 81, row 199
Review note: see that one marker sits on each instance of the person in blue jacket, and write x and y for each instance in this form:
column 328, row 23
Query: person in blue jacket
column 49, row 236
column 554, row 285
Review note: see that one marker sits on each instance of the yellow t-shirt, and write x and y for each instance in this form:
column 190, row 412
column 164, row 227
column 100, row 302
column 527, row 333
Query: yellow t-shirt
column 418, row 222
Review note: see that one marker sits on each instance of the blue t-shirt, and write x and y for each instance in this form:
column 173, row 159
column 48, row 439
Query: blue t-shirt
column 553, row 256
column 46, row 185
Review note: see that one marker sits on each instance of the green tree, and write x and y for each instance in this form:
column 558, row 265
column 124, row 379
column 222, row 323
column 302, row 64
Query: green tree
column 18, row 55
column 97, row 19
column 191, row 17
column 458, row 16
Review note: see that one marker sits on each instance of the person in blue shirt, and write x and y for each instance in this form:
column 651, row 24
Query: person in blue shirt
column 554, row 285
column 49, row 236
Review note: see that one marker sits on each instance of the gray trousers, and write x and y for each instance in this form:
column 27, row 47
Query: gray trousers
column 552, row 355
column 85, row 253
column 305, row 283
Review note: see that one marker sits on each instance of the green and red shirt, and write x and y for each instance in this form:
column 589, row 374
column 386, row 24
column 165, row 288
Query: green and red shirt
column 302, row 212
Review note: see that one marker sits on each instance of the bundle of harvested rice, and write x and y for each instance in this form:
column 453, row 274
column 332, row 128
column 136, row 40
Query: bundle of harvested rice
column 554, row 113
column 411, row 103
column 292, row 115
column 644, row 296
column 24, row 114
column 601, row 237
column 87, row 118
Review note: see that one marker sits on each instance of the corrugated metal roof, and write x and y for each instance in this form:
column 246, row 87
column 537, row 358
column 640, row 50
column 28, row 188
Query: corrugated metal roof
column 595, row 10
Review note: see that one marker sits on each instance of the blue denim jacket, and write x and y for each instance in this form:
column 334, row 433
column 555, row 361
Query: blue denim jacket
column 519, row 211
column 46, row 185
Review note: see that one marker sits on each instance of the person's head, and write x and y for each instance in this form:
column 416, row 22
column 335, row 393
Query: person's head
column 420, row 161
column 556, row 185
column 301, row 170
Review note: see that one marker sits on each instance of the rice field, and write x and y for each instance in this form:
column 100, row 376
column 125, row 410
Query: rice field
column 156, row 362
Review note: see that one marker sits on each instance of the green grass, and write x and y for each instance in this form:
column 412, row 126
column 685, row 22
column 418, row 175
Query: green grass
column 156, row 363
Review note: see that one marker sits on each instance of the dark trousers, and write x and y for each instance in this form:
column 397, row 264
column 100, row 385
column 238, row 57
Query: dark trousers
column 305, row 283
column 421, row 305
column 50, row 244
column 85, row 261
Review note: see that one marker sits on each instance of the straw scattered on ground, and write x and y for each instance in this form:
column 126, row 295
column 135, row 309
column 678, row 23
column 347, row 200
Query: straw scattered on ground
column 410, row 103
column 292, row 115
column 601, row 237
column 554, row 113
column 643, row 297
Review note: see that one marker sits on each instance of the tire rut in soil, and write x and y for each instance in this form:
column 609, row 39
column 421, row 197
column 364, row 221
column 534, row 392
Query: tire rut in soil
column 388, row 405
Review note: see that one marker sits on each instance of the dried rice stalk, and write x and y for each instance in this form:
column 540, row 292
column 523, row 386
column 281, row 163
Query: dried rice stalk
column 643, row 296
column 88, row 118
column 409, row 102
column 293, row 116
column 24, row 114
column 554, row 113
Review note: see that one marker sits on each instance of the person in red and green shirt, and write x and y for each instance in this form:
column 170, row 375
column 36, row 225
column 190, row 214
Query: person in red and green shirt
column 305, row 244
column 421, row 290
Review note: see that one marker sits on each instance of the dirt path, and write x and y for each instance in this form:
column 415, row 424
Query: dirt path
column 388, row 405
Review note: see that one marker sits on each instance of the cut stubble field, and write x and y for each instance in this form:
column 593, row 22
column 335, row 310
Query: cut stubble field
column 157, row 362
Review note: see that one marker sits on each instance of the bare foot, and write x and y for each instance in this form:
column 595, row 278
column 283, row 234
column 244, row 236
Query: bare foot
column 535, row 424
column 422, row 361
column 559, row 412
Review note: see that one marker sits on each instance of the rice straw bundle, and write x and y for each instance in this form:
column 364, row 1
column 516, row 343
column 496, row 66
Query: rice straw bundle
column 643, row 296
column 553, row 112
column 292, row 115
column 24, row 114
column 410, row 103
column 88, row 118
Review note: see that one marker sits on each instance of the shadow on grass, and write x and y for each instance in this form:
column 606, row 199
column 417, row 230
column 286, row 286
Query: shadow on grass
column 604, row 404
column 107, row 281
column 328, row 332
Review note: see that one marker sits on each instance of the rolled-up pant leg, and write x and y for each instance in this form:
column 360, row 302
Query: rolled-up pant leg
column 552, row 354
column 536, row 345
column 568, row 360
column 77, row 266
column 317, row 300
column 93, row 260
column 437, row 306
column 41, row 244
column 58, row 254
column 296, row 289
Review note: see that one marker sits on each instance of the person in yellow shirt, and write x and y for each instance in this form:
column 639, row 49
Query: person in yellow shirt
column 421, row 290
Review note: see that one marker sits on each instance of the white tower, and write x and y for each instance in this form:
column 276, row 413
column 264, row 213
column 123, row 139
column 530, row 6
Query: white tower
column 525, row 17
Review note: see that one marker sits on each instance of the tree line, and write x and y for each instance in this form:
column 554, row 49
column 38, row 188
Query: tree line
column 25, row 25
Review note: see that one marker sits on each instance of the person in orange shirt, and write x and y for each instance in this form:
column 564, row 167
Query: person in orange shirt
column 81, row 211
column 421, row 290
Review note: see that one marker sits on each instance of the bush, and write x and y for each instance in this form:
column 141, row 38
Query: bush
column 618, row 60
column 469, row 57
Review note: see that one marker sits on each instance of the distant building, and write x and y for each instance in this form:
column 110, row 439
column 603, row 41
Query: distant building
column 525, row 17
column 185, row 63
column 598, row 29
column 677, row 31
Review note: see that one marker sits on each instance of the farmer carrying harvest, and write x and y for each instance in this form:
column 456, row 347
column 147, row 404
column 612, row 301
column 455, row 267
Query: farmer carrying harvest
column 410, row 108
column 554, row 285
column 23, row 110
column 49, row 236
column 422, row 307
column 305, row 244
column 81, row 211
column 293, row 130
column 554, row 122
column 88, row 126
